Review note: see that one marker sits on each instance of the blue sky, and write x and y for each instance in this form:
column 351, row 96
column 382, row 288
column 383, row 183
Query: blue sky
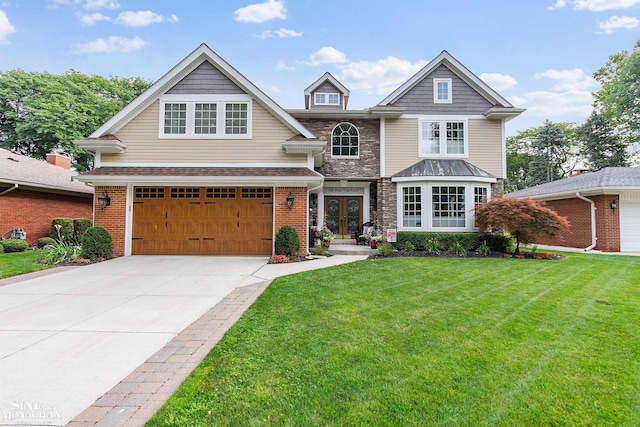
column 539, row 54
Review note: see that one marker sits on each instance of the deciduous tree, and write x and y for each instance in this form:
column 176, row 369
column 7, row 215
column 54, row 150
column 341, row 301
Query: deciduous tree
column 524, row 219
column 601, row 145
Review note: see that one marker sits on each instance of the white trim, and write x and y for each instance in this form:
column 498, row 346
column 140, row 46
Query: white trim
column 190, row 102
column 204, row 165
column 444, row 179
column 179, row 71
column 449, row 98
column 448, row 117
column 504, row 151
column 342, row 156
column 284, row 181
column 443, row 138
column 326, row 98
column 383, row 146
column 128, row 227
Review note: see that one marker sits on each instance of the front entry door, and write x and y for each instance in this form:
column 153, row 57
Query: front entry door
column 344, row 214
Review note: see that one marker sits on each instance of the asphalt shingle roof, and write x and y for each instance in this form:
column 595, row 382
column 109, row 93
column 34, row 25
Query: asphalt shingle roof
column 29, row 172
column 201, row 171
column 613, row 177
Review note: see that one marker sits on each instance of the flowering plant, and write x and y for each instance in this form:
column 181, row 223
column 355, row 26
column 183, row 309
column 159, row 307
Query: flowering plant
column 325, row 234
column 279, row 259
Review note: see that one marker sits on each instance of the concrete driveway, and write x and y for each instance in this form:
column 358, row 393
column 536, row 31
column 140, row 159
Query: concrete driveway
column 67, row 338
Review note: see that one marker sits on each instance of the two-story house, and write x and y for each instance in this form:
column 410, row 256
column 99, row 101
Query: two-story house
column 204, row 162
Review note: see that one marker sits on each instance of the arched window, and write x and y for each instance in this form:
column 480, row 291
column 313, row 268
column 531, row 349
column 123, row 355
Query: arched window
column 345, row 140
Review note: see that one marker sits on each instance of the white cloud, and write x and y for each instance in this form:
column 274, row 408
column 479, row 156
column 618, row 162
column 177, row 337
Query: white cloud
column 600, row 5
column 615, row 22
column 275, row 89
column 380, row 77
column 261, row 12
column 596, row 5
column 282, row 66
column 101, row 4
column 569, row 80
column 559, row 4
column 327, row 55
column 498, row 81
column 143, row 18
column 555, row 105
column 281, row 33
column 93, row 18
column 111, row 45
column 5, row 28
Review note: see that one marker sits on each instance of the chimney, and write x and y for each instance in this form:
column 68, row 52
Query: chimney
column 59, row 160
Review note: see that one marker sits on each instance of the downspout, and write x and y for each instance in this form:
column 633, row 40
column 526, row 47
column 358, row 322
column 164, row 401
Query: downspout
column 309, row 190
column 594, row 239
column 9, row 190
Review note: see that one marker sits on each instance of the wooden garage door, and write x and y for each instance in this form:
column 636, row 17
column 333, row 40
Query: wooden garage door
column 202, row 221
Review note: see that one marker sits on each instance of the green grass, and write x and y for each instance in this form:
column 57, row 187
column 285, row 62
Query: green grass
column 16, row 263
column 429, row 341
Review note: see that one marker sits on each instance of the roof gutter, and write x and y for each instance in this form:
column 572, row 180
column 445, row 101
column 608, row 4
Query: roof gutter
column 9, row 190
column 594, row 238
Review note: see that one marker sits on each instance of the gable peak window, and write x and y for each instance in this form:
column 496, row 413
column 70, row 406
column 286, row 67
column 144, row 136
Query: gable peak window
column 345, row 141
column 442, row 91
column 321, row 98
column 205, row 116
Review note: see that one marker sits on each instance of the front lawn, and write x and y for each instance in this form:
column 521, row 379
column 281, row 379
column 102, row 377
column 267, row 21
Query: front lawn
column 429, row 341
column 16, row 263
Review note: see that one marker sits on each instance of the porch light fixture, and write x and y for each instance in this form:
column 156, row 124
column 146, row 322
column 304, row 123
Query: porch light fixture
column 614, row 205
column 290, row 200
column 104, row 200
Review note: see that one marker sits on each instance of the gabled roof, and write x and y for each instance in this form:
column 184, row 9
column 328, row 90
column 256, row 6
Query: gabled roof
column 37, row 174
column 326, row 77
column 445, row 58
column 605, row 180
column 443, row 168
column 181, row 70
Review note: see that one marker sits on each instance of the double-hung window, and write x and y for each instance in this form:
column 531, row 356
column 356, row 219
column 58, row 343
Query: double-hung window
column 443, row 138
column 205, row 116
column 326, row 98
column 442, row 91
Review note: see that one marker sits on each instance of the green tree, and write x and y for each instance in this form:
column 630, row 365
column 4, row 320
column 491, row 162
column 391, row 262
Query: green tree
column 619, row 98
column 42, row 112
column 601, row 145
column 524, row 219
column 551, row 151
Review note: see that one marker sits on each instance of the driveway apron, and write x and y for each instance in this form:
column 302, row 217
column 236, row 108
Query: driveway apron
column 68, row 337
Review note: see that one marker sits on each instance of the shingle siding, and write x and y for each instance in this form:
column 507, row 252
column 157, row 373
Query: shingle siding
column 205, row 79
column 465, row 100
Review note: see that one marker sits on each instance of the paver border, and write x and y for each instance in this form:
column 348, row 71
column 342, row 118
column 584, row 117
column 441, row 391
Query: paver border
column 134, row 400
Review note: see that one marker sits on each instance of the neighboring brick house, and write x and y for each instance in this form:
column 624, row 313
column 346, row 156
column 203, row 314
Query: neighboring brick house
column 33, row 192
column 203, row 162
column 603, row 208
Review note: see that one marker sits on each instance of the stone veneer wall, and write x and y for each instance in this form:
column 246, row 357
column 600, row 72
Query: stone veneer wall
column 367, row 165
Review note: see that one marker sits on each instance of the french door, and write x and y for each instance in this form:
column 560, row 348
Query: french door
column 344, row 214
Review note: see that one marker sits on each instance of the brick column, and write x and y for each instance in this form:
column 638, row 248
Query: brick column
column 296, row 216
column 113, row 217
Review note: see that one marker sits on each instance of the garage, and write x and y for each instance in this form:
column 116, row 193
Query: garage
column 629, row 223
column 202, row 221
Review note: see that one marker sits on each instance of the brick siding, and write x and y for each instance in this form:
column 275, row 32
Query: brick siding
column 578, row 213
column 33, row 211
column 296, row 216
column 113, row 217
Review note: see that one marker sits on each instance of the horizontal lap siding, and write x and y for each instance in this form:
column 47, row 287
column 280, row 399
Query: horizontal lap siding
column 401, row 145
column 485, row 145
column 143, row 144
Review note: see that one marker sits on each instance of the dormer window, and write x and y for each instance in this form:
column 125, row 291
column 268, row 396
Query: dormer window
column 327, row 99
column 442, row 91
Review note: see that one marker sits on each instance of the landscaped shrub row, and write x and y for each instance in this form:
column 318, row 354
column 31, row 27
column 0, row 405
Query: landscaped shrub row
column 434, row 242
column 68, row 229
column 13, row 245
